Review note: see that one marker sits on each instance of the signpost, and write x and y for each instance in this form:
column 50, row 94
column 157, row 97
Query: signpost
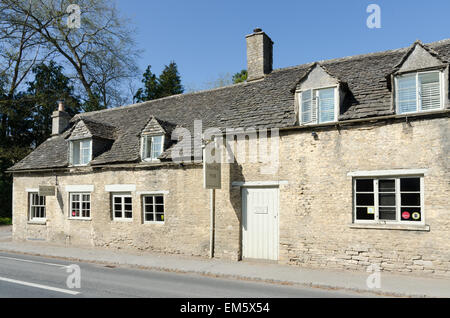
column 212, row 179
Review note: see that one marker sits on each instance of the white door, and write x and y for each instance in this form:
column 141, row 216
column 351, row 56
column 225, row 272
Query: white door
column 260, row 223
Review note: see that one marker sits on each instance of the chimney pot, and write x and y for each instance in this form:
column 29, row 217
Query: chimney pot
column 60, row 106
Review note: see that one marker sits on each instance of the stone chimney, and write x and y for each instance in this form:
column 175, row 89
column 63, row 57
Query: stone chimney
column 60, row 120
column 259, row 55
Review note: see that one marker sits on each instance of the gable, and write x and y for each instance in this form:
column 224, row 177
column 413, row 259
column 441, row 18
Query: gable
column 419, row 58
column 317, row 78
column 80, row 131
column 153, row 128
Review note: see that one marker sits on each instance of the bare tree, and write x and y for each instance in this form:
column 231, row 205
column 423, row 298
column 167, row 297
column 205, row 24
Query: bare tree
column 101, row 52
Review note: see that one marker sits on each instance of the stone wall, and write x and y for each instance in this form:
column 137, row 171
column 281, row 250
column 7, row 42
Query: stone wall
column 186, row 226
column 316, row 204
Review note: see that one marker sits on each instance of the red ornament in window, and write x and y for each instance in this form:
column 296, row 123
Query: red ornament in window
column 73, row 213
column 406, row 215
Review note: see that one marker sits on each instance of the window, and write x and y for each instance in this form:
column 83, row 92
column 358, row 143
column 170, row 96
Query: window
column 152, row 147
column 318, row 106
column 122, row 207
column 388, row 200
column 80, row 152
column 153, row 208
column 80, row 205
column 37, row 207
column 419, row 92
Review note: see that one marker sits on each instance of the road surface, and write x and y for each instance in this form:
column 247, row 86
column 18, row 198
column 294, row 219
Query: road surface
column 31, row 276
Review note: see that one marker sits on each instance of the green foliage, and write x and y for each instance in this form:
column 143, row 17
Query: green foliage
column 49, row 86
column 240, row 77
column 168, row 83
column 26, row 120
column 5, row 221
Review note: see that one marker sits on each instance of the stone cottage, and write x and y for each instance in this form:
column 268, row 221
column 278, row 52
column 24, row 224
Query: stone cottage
column 362, row 174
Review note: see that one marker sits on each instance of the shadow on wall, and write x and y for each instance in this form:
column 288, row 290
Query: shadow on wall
column 235, row 173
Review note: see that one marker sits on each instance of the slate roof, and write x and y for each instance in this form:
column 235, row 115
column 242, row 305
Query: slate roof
column 265, row 103
column 94, row 129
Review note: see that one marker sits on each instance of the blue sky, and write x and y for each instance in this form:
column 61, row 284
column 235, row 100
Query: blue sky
column 206, row 38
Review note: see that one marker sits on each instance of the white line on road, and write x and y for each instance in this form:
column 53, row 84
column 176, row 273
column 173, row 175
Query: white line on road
column 28, row 261
column 60, row 290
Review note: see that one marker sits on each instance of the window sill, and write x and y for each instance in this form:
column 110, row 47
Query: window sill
column 401, row 227
column 80, row 219
column 35, row 222
column 154, row 222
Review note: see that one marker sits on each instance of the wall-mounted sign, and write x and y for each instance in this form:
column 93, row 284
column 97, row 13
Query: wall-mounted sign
column 260, row 210
column 212, row 176
column 47, row 191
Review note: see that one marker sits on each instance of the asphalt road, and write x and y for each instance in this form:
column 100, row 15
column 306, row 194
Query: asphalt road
column 31, row 276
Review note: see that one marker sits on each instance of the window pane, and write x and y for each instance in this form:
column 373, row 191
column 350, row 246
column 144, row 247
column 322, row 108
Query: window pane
column 386, row 199
column 361, row 214
column 148, row 199
column 365, row 199
column 148, row 146
column 127, row 199
column 364, row 185
column 430, row 90
column 156, row 146
column 407, row 94
column 160, row 208
column 159, row 199
column 149, row 217
column 386, row 213
column 410, row 214
column 326, row 105
column 75, row 152
column 410, row 199
column 160, row 217
column 117, row 207
column 386, row 186
column 306, row 106
column 117, row 200
column 410, row 184
column 149, row 208
column 128, row 215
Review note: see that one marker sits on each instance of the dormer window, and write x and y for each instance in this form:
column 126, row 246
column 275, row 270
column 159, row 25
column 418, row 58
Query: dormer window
column 152, row 147
column 318, row 106
column 419, row 92
column 80, row 152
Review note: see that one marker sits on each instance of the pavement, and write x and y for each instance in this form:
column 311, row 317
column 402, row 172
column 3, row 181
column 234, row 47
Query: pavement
column 398, row 285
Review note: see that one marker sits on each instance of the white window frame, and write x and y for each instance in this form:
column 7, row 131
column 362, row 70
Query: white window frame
column 315, row 95
column 122, row 196
column 80, row 152
column 31, row 206
column 154, row 208
column 418, row 98
column 143, row 141
column 71, row 194
column 398, row 204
